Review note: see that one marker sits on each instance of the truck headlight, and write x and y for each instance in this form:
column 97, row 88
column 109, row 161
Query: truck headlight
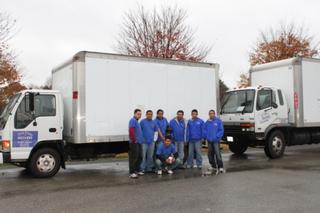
column 5, row 145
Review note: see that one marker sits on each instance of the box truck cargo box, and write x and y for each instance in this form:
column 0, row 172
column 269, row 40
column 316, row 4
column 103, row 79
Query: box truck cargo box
column 100, row 92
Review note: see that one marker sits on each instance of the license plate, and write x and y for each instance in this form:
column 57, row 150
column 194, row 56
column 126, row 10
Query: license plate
column 229, row 139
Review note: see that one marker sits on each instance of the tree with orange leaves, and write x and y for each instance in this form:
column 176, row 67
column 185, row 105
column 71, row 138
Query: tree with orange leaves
column 10, row 77
column 285, row 42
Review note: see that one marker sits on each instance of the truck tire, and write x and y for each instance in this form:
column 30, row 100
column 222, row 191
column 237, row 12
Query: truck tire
column 275, row 145
column 238, row 148
column 45, row 162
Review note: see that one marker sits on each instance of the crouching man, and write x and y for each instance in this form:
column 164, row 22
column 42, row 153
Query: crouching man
column 167, row 157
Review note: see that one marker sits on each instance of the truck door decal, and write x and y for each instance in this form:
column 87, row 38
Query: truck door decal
column 24, row 139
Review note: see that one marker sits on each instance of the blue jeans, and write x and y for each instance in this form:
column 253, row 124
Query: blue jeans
column 180, row 149
column 162, row 165
column 214, row 155
column 195, row 146
column 147, row 157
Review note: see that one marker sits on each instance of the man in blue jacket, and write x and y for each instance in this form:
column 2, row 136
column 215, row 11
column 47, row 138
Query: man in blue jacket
column 167, row 157
column 194, row 138
column 178, row 127
column 135, row 140
column 162, row 124
column 148, row 127
column 213, row 132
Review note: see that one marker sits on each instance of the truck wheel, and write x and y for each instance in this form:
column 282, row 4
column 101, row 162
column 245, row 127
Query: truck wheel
column 44, row 163
column 238, row 148
column 275, row 145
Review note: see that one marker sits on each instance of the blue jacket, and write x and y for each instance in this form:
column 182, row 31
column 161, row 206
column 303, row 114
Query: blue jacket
column 195, row 130
column 162, row 125
column 163, row 151
column 213, row 130
column 178, row 130
column 148, row 128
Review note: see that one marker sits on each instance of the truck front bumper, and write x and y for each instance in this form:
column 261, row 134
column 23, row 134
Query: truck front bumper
column 4, row 157
column 236, row 133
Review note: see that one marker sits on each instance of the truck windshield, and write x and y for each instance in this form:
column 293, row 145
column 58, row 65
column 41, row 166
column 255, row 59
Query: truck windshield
column 7, row 110
column 240, row 101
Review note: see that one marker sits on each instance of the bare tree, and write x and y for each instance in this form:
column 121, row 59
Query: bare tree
column 159, row 33
column 10, row 77
column 284, row 42
column 244, row 80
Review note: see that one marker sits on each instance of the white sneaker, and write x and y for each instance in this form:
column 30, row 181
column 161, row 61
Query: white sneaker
column 159, row 172
column 211, row 168
column 140, row 173
column 170, row 172
column 221, row 170
column 133, row 176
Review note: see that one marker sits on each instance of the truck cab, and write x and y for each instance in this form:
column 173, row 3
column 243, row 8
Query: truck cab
column 249, row 114
column 31, row 127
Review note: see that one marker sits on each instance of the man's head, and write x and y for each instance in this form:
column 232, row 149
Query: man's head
column 149, row 114
column 167, row 141
column 194, row 113
column 180, row 114
column 160, row 113
column 137, row 114
column 212, row 114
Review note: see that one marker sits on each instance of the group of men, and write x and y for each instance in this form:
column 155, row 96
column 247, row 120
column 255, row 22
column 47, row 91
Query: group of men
column 158, row 145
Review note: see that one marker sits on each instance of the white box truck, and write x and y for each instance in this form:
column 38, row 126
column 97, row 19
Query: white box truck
column 282, row 108
column 93, row 98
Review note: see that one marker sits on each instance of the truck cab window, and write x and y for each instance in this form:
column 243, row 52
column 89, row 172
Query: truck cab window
column 44, row 105
column 264, row 99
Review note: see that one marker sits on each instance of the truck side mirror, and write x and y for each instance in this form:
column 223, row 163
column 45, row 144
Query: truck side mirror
column 31, row 102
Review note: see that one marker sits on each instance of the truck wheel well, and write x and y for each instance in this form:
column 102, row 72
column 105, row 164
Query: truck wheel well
column 282, row 129
column 57, row 145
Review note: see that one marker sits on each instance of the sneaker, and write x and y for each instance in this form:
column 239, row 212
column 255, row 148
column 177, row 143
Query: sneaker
column 212, row 168
column 189, row 167
column 140, row 173
column 159, row 172
column 133, row 176
column 199, row 167
column 170, row 172
column 221, row 170
column 216, row 171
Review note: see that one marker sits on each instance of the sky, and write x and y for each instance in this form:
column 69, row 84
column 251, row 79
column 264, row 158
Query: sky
column 49, row 32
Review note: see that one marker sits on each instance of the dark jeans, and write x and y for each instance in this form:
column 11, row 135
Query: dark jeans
column 135, row 157
column 214, row 155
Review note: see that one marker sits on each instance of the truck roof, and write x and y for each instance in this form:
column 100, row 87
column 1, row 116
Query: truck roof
column 80, row 56
column 285, row 62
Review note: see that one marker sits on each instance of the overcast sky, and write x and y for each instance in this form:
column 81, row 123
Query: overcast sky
column 49, row 32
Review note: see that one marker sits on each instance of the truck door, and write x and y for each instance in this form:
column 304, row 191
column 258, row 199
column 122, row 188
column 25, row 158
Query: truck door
column 29, row 128
column 266, row 109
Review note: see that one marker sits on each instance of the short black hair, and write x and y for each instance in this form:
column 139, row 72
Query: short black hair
column 137, row 110
column 159, row 110
column 211, row 110
column 168, row 137
column 194, row 110
column 180, row 111
column 148, row 111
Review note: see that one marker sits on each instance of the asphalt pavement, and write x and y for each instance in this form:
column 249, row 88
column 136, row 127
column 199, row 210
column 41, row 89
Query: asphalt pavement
column 252, row 183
